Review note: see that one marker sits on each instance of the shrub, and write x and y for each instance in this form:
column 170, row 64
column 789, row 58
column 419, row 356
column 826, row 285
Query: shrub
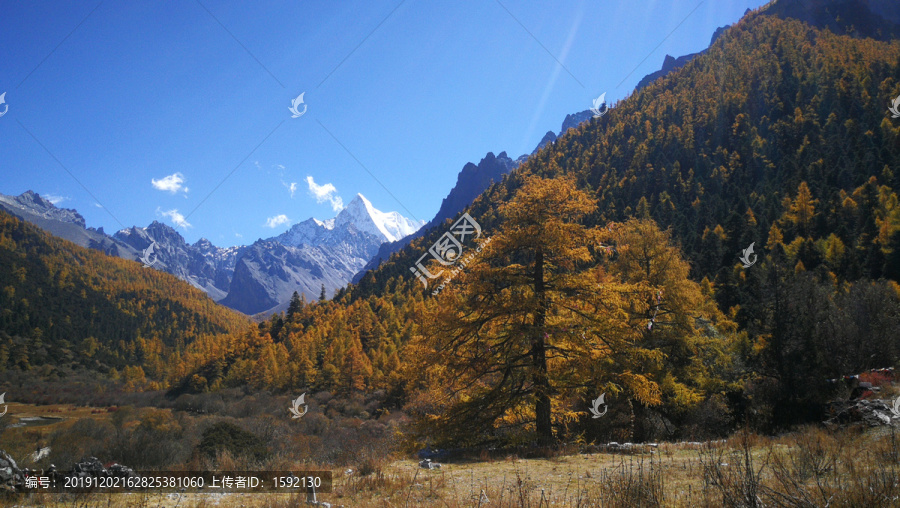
column 225, row 436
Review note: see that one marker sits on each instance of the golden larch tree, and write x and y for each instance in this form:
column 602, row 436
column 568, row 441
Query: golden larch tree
column 533, row 320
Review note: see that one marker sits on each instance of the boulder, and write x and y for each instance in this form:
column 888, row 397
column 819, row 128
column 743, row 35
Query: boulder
column 120, row 471
column 867, row 412
column 10, row 474
column 90, row 466
column 428, row 464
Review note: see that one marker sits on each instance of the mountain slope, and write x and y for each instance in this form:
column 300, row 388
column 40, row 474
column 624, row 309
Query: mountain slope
column 714, row 148
column 62, row 304
column 317, row 252
column 671, row 63
column 471, row 181
column 310, row 255
column 203, row 265
column 877, row 19
column 64, row 223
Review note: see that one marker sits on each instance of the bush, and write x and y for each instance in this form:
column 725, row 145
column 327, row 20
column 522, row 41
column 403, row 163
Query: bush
column 225, row 436
column 633, row 485
column 85, row 437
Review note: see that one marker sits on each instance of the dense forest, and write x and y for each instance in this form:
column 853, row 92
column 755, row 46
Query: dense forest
column 613, row 268
column 715, row 149
column 64, row 305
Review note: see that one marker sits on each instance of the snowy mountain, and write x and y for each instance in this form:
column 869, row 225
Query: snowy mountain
column 311, row 254
column 268, row 272
column 252, row 279
column 365, row 218
column 471, row 181
column 391, row 226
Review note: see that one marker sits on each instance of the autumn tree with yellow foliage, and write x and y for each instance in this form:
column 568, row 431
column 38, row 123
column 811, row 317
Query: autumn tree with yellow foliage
column 538, row 321
column 679, row 321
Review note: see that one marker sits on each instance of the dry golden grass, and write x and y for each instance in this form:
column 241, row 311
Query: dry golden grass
column 811, row 467
column 17, row 438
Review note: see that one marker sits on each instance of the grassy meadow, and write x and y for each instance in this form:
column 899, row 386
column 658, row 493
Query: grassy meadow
column 813, row 466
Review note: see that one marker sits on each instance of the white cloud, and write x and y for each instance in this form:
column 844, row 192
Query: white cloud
column 175, row 217
column 326, row 192
column 238, row 235
column 292, row 187
column 98, row 205
column 170, row 184
column 278, row 220
column 55, row 198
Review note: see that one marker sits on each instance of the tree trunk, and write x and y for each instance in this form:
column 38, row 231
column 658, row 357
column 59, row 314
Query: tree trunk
column 542, row 407
column 541, row 393
column 639, row 431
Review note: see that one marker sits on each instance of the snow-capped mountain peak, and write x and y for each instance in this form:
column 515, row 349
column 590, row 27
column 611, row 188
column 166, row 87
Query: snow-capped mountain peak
column 391, row 226
column 327, row 223
column 358, row 217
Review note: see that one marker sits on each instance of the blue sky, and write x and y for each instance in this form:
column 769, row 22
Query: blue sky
column 152, row 105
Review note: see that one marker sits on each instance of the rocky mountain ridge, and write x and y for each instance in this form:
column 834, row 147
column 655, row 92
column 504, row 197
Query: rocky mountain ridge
column 251, row 279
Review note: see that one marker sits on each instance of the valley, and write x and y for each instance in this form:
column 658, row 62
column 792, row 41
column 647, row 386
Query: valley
column 689, row 296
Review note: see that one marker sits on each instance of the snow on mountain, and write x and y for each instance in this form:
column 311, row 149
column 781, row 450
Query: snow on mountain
column 391, row 226
column 308, row 232
column 361, row 215
column 312, row 254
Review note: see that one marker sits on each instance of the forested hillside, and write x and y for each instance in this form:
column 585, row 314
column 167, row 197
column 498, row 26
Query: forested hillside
column 778, row 136
column 64, row 305
column 613, row 268
column 714, row 150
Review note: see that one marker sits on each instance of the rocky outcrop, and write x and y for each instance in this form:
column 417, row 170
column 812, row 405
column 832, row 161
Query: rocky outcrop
column 11, row 476
column 671, row 63
column 470, row 183
column 203, row 265
column 864, row 412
